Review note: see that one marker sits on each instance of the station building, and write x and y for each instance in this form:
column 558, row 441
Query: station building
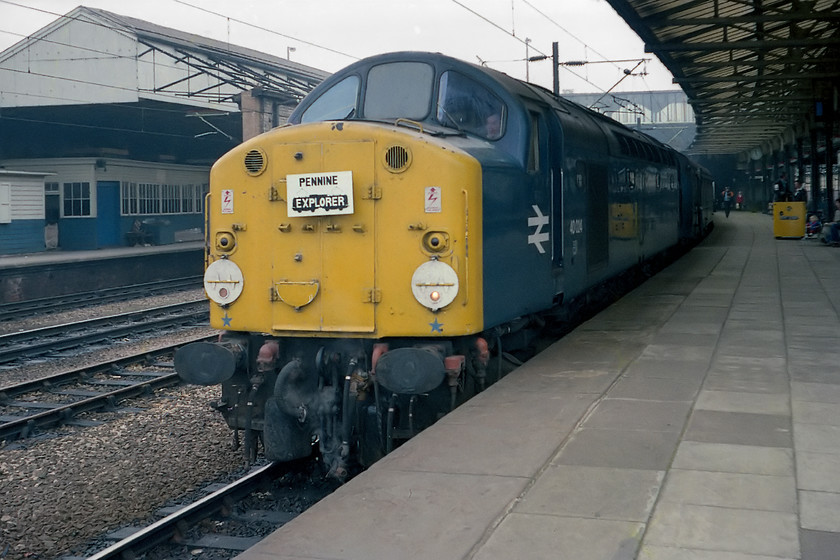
column 110, row 123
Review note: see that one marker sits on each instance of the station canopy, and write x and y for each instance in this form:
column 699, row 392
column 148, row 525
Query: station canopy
column 95, row 83
column 758, row 73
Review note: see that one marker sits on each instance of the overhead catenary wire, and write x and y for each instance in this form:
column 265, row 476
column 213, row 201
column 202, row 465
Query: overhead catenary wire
column 567, row 32
column 267, row 30
column 523, row 41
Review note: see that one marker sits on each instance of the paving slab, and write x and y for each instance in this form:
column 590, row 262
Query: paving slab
column 634, row 414
column 656, row 388
column 632, row 449
column 593, row 492
column 672, row 553
column 816, row 413
column 702, row 527
column 817, row 437
column 819, row 545
column 818, row 471
column 537, row 537
column 714, row 426
column 737, row 401
column 818, row 511
column 731, row 490
column 815, row 392
column 731, row 458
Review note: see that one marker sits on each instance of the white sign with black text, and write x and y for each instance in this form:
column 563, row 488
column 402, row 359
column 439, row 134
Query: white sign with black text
column 320, row 194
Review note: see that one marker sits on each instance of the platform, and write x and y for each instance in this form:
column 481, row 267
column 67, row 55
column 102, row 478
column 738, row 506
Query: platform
column 59, row 273
column 58, row 256
column 698, row 418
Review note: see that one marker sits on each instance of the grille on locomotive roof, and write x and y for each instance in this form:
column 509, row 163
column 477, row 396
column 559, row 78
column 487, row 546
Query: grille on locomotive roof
column 397, row 158
column 255, row 162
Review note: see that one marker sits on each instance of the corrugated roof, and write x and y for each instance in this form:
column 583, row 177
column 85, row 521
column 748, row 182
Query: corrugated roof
column 197, row 43
column 753, row 70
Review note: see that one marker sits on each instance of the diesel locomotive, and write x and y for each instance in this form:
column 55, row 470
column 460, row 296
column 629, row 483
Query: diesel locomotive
column 368, row 262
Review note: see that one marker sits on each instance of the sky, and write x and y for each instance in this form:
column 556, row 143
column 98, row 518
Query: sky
column 331, row 34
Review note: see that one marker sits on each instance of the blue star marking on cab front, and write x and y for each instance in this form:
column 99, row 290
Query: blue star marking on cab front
column 226, row 320
column 436, row 327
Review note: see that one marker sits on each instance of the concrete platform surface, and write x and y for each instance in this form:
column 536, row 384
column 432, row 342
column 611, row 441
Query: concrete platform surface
column 698, row 418
column 45, row 258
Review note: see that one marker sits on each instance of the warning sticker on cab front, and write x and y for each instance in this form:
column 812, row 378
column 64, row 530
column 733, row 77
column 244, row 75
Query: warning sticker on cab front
column 433, row 200
column 227, row 201
column 320, row 194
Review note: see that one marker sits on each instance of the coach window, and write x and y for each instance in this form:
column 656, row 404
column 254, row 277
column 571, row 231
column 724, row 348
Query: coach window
column 468, row 106
column 338, row 102
column 399, row 90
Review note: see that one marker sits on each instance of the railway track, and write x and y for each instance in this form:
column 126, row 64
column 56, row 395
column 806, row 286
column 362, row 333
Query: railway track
column 60, row 399
column 225, row 521
column 49, row 340
column 175, row 526
column 30, row 308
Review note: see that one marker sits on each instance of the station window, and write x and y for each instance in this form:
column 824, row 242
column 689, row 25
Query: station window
column 148, row 196
column 151, row 198
column 191, row 198
column 5, row 203
column 129, row 198
column 170, row 199
column 77, row 199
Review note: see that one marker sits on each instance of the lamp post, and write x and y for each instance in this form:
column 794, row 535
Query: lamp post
column 289, row 51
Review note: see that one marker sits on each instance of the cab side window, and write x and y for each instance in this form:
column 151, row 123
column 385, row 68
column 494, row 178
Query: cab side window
column 470, row 107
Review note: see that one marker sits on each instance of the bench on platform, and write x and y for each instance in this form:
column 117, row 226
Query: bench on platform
column 138, row 238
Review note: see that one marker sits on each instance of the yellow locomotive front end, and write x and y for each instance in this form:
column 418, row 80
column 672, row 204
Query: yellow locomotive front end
column 344, row 267
column 370, row 231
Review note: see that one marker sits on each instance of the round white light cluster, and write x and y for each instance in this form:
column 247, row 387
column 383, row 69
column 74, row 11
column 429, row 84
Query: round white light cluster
column 434, row 284
column 223, row 281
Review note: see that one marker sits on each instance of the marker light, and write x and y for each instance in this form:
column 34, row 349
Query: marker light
column 434, row 284
column 436, row 242
column 225, row 242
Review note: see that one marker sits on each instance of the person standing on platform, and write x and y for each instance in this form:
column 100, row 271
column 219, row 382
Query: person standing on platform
column 831, row 230
column 780, row 189
column 800, row 194
column 739, row 201
column 728, row 195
